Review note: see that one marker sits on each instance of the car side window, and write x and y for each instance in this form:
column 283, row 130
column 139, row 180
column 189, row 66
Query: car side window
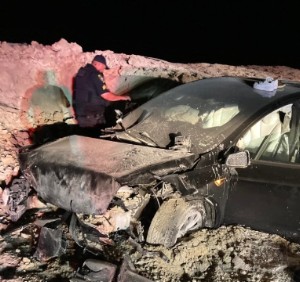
column 274, row 137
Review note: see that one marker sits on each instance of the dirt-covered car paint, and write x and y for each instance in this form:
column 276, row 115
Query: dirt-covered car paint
column 84, row 178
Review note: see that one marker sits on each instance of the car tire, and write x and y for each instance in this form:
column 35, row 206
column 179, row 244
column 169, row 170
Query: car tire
column 174, row 219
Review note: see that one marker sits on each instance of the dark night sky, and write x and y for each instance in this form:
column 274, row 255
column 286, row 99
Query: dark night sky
column 186, row 31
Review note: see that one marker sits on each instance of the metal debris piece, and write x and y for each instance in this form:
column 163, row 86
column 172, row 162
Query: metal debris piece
column 16, row 212
column 51, row 244
column 100, row 270
column 18, row 193
column 95, row 270
column 127, row 273
column 43, row 222
column 87, row 236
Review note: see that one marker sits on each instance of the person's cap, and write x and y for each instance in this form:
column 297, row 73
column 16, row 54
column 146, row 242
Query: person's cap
column 100, row 59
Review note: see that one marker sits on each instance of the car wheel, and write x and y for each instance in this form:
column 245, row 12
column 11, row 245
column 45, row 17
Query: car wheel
column 174, row 219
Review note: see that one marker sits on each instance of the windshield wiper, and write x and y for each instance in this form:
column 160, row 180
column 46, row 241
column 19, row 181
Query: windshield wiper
column 152, row 142
column 127, row 136
column 123, row 134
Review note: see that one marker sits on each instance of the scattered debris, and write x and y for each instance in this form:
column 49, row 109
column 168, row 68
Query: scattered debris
column 51, row 244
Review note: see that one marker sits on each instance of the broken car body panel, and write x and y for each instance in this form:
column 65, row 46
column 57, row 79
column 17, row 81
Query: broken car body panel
column 82, row 174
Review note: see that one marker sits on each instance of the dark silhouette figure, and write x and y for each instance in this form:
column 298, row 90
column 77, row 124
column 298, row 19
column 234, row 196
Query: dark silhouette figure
column 93, row 103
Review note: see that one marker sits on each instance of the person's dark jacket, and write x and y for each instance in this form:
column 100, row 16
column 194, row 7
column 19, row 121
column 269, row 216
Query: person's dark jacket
column 88, row 86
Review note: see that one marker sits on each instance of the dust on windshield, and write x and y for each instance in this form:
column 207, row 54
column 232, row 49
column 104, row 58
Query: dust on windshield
column 187, row 114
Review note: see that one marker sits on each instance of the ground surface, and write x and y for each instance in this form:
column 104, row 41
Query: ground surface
column 230, row 253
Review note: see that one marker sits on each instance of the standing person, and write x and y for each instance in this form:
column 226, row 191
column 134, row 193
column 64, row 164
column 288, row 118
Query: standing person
column 93, row 103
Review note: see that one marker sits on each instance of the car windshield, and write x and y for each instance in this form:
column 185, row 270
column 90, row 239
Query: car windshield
column 207, row 111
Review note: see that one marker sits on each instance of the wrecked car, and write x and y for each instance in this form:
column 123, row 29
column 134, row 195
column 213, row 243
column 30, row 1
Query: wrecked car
column 203, row 154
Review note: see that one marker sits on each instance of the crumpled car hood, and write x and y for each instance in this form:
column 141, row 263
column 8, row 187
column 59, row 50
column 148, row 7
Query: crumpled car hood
column 82, row 174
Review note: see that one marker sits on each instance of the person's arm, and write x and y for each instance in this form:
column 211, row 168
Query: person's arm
column 109, row 96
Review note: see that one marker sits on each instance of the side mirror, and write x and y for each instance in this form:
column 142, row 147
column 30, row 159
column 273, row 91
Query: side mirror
column 238, row 160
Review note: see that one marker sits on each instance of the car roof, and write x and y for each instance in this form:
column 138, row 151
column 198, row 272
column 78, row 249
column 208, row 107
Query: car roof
column 243, row 85
column 240, row 90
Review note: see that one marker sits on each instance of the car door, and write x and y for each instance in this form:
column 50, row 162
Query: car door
column 266, row 196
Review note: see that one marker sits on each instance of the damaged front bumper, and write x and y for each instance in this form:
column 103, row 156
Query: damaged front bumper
column 111, row 182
